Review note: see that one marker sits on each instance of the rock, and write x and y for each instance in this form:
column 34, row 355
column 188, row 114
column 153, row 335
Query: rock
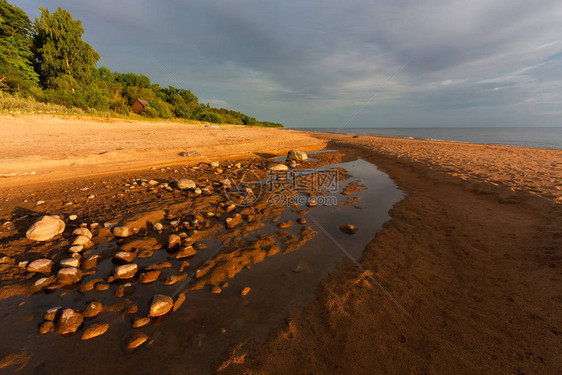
column 42, row 282
column 160, row 305
column 153, row 182
column 301, row 220
column 349, row 229
column 226, row 183
column 100, row 287
column 312, row 202
column 95, row 330
column 51, row 313
column 245, row 291
column 69, row 275
column 230, row 208
column 297, row 155
column 45, row 228
column 215, row 164
column 125, row 271
column 279, row 167
column 232, row 222
column 70, row 262
column 85, row 232
column 69, row 321
column 40, row 266
column 90, row 262
column 145, row 254
column 293, row 164
column 135, row 340
column 171, row 280
column 39, row 203
column 124, row 290
column 299, row 267
column 93, row 309
column 186, row 252
column 46, row 327
column 216, row 290
column 124, row 256
column 285, row 224
column 76, row 249
column 183, row 265
column 185, row 183
column 122, row 232
column 148, row 277
column 179, row 301
column 81, row 240
column 140, row 322
column 173, row 241
column 72, row 217
column 158, row 266
column 187, row 241
column 158, row 227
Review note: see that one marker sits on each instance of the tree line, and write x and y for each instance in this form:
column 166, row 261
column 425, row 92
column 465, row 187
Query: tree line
column 47, row 60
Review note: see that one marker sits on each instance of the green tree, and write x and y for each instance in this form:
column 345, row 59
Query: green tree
column 61, row 52
column 16, row 70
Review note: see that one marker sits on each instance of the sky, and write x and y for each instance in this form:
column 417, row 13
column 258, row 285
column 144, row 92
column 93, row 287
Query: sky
column 338, row 64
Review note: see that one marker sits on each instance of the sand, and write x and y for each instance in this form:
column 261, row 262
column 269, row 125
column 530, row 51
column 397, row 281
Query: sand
column 465, row 277
column 62, row 147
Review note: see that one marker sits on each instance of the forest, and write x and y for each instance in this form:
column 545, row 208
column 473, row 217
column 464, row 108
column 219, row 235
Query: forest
column 46, row 61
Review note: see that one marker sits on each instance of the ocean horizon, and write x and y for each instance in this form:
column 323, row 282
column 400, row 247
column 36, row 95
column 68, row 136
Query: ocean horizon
column 534, row 137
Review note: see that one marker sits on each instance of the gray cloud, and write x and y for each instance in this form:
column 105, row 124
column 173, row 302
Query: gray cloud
column 317, row 63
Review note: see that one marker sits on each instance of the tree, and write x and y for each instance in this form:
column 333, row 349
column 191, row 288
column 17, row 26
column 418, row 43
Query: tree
column 16, row 70
column 60, row 51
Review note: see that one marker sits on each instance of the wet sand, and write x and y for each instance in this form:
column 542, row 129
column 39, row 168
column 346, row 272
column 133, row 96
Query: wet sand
column 464, row 278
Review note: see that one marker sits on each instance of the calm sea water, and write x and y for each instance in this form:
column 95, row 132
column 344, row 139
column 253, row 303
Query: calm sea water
column 523, row 137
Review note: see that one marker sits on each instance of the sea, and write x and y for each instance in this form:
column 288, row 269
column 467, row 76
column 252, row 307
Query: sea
column 536, row 137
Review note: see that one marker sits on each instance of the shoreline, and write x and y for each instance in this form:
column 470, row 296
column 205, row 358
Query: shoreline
column 472, row 254
column 477, row 274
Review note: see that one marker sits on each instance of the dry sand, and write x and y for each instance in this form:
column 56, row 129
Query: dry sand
column 471, row 257
column 61, row 147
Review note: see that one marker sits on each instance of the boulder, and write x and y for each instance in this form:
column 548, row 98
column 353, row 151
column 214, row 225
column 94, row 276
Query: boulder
column 349, row 228
column 125, row 271
column 232, row 222
column 45, row 228
column 149, row 276
column 135, row 340
column 124, row 256
column 90, row 262
column 140, row 322
column 69, row 275
column 83, row 241
column 70, row 262
column 185, row 183
column 93, row 309
column 297, row 155
column 69, row 321
column 173, row 241
column 40, row 266
column 122, row 232
column 82, row 232
column 95, row 330
column 186, row 252
column 160, row 305
column 279, row 167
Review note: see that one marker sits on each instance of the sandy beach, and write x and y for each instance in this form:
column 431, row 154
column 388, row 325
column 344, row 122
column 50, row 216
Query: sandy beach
column 461, row 276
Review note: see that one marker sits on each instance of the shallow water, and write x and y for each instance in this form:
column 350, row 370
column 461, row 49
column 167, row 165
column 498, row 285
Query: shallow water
column 192, row 339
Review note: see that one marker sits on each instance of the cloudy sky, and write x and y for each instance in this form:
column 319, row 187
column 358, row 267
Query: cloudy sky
column 353, row 63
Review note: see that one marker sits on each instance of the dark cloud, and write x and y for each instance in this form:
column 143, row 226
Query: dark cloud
column 319, row 63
